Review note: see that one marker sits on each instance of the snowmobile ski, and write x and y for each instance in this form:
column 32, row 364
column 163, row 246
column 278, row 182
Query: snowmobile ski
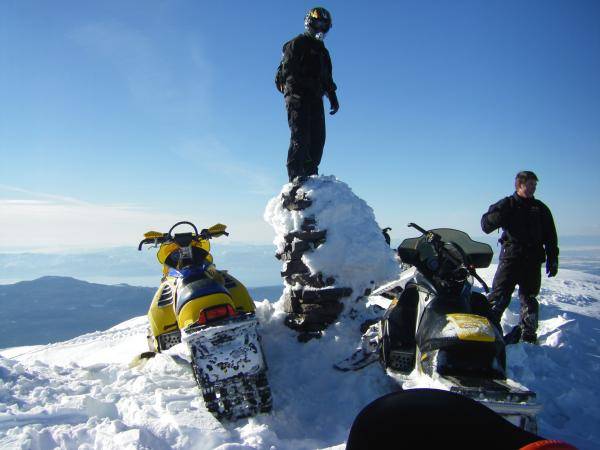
column 139, row 359
column 498, row 390
column 358, row 360
column 512, row 401
column 366, row 354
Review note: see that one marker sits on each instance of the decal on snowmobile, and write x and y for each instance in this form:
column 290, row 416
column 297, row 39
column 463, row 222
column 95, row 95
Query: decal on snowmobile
column 171, row 325
column 470, row 327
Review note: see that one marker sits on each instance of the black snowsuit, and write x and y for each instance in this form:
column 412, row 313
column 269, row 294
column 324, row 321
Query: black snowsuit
column 305, row 75
column 528, row 239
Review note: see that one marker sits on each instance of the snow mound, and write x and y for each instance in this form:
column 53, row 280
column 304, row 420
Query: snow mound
column 355, row 251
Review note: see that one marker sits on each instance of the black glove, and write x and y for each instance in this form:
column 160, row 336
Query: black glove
column 279, row 81
column 205, row 234
column 333, row 101
column 551, row 268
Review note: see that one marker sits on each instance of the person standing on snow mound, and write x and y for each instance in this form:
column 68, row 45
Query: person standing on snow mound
column 528, row 239
column 303, row 77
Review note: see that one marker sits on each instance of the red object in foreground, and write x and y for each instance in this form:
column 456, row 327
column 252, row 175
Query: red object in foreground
column 549, row 445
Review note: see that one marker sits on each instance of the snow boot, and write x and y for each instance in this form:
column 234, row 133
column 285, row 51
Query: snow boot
column 529, row 337
column 513, row 336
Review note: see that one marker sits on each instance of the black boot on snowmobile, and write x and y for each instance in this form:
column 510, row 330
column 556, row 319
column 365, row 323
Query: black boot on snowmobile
column 513, row 336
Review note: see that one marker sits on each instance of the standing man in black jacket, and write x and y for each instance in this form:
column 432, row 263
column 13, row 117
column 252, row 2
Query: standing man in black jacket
column 528, row 239
column 303, row 77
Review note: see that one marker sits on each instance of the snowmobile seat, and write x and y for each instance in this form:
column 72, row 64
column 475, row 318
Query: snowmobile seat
column 199, row 288
column 403, row 318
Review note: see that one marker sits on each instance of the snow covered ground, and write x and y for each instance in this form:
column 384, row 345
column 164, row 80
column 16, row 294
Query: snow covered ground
column 82, row 394
column 85, row 393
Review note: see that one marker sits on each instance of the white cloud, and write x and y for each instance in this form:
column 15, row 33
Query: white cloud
column 210, row 152
column 38, row 195
column 47, row 222
column 40, row 220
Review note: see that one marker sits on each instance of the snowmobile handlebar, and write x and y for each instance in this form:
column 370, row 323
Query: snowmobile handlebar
column 475, row 275
column 184, row 222
column 184, row 238
column 153, row 240
column 436, row 239
column 421, row 229
column 431, row 236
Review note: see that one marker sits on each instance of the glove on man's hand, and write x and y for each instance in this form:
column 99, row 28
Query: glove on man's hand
column 551, row 268
column 333, row 101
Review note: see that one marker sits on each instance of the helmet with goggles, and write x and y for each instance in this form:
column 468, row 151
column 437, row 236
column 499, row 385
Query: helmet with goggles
column 317, row 22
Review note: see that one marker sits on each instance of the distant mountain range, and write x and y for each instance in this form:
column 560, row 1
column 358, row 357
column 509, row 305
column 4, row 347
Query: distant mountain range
column 51, row 308
column 59, row 307
column 255, row 265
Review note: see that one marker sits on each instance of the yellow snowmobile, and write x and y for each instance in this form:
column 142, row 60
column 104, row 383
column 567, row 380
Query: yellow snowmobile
column 214, row 315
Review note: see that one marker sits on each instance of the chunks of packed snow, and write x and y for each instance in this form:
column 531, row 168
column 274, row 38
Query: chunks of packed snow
column 355, row 252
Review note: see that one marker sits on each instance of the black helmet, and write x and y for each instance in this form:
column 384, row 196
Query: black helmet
column 317, row 22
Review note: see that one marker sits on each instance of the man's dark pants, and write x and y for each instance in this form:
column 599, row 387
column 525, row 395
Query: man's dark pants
column 306, row 118
column 526, row 273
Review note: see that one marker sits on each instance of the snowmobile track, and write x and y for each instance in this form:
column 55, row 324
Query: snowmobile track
column 236, row 397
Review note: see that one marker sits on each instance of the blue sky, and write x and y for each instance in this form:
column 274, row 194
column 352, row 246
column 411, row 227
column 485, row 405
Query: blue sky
column 118, row 117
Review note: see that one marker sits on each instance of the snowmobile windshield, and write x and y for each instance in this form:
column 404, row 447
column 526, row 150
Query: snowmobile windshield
column 478, row 254
column 188, row 272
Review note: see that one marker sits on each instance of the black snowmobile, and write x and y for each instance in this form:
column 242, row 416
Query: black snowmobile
column 436, row 331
